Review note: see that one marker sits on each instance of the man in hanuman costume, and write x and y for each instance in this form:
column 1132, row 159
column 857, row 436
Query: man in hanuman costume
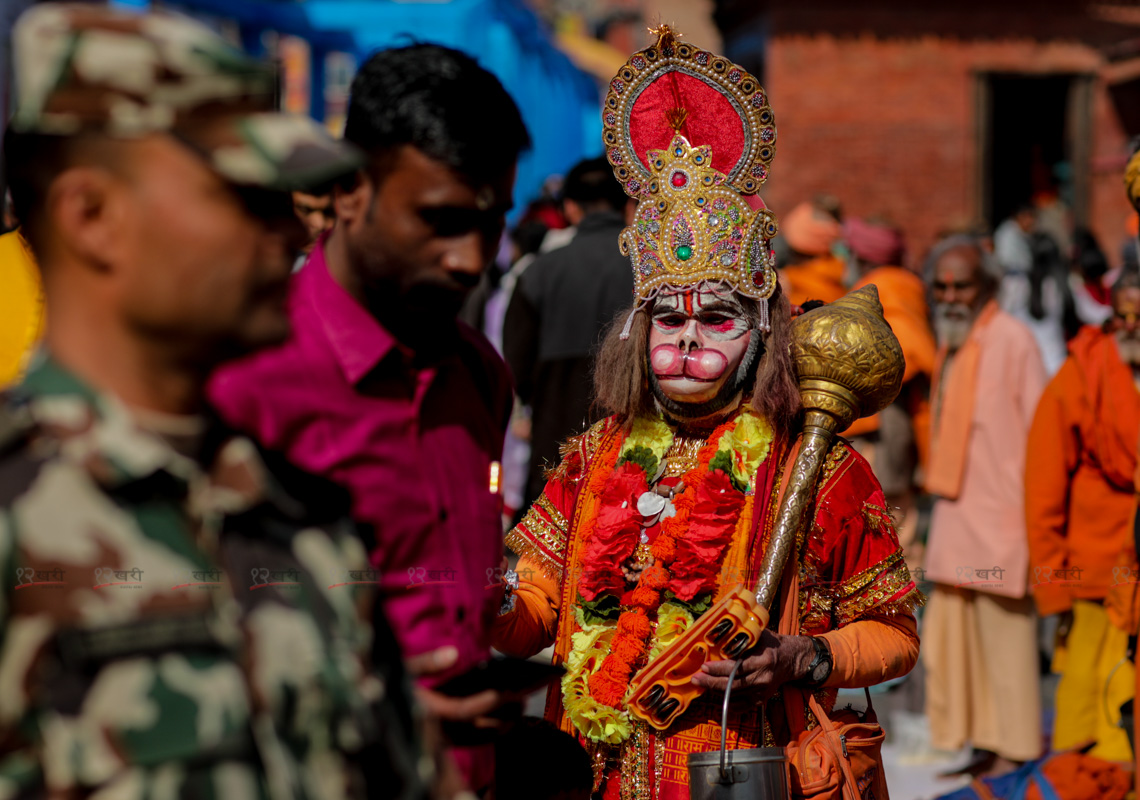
column 659, row 510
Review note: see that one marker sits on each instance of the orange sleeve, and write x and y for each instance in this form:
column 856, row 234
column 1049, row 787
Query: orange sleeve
column 531, row 625
column 1051, row 458
column 540, row 540
column 872, row 650
column 820, row 278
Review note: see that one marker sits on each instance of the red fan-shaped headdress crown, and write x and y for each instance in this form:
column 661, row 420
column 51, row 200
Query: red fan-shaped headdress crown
column 687, row 133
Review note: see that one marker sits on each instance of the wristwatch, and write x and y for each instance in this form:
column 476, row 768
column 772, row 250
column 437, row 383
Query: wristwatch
column 820, row 669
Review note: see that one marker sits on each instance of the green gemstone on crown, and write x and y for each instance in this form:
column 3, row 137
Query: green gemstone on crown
column 684, row 252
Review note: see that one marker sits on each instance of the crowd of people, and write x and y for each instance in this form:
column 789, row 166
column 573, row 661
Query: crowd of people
column 296, row 431
column 1007, row 459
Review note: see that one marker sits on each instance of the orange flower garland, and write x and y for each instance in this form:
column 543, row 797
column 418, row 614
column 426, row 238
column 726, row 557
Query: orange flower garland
column 634, row 629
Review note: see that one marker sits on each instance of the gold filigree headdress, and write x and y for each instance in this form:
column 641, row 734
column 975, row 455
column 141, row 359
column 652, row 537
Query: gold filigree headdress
column 689, row 135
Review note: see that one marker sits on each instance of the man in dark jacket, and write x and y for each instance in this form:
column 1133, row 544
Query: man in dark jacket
column 558, row 311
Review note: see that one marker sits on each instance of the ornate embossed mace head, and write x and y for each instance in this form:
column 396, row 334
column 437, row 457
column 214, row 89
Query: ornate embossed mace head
column 850, row 364
column 1132, row 179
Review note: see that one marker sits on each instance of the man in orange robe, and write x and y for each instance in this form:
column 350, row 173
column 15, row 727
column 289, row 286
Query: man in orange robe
column 662, row 508
column 812, row 270
column 1079, row 495
column 896, row 440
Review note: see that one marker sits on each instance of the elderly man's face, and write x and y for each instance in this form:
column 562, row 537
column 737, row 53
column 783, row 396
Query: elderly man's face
column 697, row 343
column 959, row 294
column 1125, row 324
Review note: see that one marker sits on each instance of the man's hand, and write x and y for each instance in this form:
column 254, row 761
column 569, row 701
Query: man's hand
column 456, row 709
column 487, row 709
column 774, row 661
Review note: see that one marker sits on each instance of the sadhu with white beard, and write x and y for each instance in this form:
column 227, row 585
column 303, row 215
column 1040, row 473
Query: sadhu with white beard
column 980, row 633
column 665, row 506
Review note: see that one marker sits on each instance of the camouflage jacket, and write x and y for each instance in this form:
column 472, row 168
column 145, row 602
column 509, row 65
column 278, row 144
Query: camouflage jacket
column 180, row 627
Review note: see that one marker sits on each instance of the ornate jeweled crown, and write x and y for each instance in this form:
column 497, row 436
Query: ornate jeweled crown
column 688, row 133
column 690, row 228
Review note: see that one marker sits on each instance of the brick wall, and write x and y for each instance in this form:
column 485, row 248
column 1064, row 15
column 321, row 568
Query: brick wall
column 888, row 124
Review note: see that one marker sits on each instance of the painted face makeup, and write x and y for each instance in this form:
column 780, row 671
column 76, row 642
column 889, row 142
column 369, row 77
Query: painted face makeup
column 697, row 343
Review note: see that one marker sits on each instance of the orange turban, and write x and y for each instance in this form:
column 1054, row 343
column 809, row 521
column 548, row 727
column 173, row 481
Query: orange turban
column 809, row 231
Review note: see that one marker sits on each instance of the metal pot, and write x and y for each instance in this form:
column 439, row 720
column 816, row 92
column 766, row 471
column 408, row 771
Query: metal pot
column 756, row 774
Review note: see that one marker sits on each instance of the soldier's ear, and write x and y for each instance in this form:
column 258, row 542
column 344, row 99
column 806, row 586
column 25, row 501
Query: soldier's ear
column 86, row 208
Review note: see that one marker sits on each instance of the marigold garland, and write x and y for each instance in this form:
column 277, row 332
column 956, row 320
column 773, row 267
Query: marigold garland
column 687, row 551
column 598, row 722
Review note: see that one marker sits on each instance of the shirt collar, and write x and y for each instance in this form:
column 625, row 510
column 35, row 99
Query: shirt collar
column 358, row 341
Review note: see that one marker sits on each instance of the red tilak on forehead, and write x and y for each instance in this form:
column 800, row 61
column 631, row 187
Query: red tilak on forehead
column 689, row 302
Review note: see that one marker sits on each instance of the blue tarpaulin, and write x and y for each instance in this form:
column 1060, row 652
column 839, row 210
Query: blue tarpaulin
column 559, row 102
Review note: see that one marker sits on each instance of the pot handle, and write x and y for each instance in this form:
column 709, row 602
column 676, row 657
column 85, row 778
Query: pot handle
column 724, row 720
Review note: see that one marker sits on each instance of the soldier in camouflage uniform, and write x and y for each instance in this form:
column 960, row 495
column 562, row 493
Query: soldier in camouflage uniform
column 180, row 613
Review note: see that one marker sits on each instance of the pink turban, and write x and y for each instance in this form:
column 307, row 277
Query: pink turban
column 809, row 231
column 877, row 243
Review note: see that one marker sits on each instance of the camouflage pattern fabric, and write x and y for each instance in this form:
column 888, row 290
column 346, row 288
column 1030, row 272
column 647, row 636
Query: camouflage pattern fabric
column 174, row 630
column 86, row 68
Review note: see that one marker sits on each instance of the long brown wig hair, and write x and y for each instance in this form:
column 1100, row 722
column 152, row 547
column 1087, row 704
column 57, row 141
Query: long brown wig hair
column 621, row 375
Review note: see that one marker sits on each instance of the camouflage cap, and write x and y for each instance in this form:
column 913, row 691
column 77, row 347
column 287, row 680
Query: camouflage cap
column 85, row 68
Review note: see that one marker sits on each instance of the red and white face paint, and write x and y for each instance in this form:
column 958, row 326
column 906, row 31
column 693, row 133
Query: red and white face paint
column 697, row 341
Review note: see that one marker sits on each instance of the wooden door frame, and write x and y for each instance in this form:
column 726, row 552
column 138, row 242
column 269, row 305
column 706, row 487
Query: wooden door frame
column 1078, row 137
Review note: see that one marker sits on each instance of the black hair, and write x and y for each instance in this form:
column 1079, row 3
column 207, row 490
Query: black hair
column 536, row 760
column 1129, row 279
column 439, row 101
column 1088, row 256
column 592, row 185
column 528, row 236
column 1049, row 265
column 32, row 161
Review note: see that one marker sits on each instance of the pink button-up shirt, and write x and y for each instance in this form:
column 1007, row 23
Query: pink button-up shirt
column 415, row 447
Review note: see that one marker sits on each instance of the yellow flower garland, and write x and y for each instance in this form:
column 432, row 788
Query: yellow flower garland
column 748, row 444
column 598, row 722
column 672, row 621
column 652, row 433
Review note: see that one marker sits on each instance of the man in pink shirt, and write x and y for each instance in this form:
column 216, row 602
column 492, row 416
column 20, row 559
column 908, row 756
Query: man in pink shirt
column 979, row 638
column 380, row 387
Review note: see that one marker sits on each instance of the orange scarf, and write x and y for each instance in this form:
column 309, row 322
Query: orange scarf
column 953, row 395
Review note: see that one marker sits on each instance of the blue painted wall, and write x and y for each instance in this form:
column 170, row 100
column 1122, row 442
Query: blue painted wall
column 559, row 102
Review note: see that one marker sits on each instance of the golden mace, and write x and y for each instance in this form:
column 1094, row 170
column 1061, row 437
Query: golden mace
column 850, row 365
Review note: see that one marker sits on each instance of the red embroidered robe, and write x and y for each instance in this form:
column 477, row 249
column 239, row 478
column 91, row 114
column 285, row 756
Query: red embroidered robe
column 851, row 570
